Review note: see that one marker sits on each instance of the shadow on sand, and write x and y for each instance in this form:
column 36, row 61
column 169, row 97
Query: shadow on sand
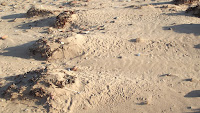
column 46, row 22
column 22, row 85
column 162, row 3
column 197, row 46
column 21, row 51
column 185, row 28
column 13, row 16
column 194, row 110
column 195, row 93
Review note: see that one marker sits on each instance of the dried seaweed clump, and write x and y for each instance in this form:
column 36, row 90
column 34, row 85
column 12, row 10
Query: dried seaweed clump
column 59, row 47
column 21, row 85
column 194, row 10
column 41, row 47
column 178, row 2
column 64, row 18
column 33, row 11
column 61, row 81
column 38, row 83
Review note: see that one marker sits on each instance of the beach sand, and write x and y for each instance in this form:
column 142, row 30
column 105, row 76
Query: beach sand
column 111, row 57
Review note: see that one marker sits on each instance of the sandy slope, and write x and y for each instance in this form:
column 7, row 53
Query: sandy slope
column 160, row 73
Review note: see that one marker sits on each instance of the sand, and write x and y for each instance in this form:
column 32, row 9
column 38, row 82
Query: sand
column 108, row 56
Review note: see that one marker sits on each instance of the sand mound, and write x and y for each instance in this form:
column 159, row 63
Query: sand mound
column 41, row 85
column 177, row 2
column 65, row 19
column 38, row 11
column 59, row 47
column 194, row 10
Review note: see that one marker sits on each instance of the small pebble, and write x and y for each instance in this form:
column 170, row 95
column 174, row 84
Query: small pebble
column 62, row 43
column 139, row 40
column 4, row 37
column 120, row 57
column 26, row 110
column 169, row 28
column 138, row 54
column 75, row 68
column 85, row 32
column 112, row 21
column 1, row 100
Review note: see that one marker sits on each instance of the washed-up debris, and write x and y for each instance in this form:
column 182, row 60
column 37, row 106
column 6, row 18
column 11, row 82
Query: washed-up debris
column 35, row 11
column 65, row 19
column 194, row 10
column 45, row 86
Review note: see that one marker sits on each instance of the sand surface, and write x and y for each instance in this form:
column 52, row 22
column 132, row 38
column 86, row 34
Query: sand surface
column 134, row 56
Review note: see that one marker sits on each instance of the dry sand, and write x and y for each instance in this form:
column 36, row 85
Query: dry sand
column 130, row 56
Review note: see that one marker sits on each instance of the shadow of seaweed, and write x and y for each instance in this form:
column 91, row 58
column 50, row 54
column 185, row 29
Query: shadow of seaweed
column 132, row 40
column 46, row 22
column 21, row 51
column 182, row 13
column 159, row 3
column 194, row 110
column 13, row 16
column 21, row 87
column 195, row 93
column 185, row 28
column 162, row 3
column 197, row 46
column 192, row 94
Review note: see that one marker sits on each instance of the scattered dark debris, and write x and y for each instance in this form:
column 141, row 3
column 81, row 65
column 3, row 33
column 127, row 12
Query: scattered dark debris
column 38, row 92
column 67, row 79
